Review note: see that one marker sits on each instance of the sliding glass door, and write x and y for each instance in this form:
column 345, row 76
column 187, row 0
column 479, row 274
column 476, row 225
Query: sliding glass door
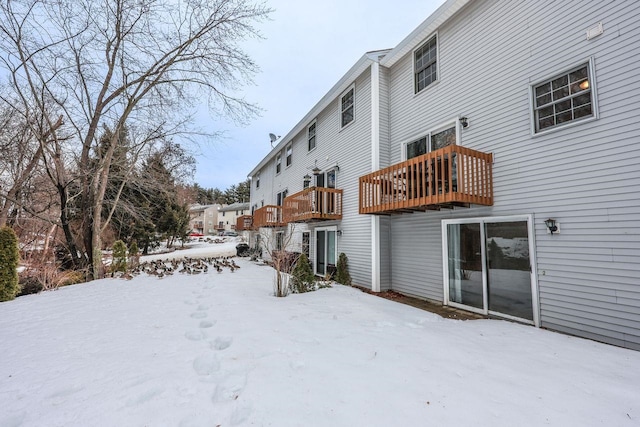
column 326, row 250
column 488, row 266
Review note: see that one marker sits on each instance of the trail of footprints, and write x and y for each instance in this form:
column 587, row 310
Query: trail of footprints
column 227, row 386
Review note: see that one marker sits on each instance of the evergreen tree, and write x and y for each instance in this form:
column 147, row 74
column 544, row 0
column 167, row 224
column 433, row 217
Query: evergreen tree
column 342, row 273
column 9, row 257
column 119, row 262
column 302, row 278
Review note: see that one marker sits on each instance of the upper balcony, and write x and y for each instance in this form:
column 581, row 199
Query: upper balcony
column 448, row 177
column 244, row 222
column 313, row 204
column 268, row 216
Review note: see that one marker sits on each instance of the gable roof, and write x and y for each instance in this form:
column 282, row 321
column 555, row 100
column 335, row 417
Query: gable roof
column 238, row 206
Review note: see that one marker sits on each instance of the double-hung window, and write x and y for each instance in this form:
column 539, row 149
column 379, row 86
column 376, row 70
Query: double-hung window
column 347, row 107
column 278, row 163
column 311, row 136
column 425, row 64
column 564, row 98
column 257, row 181
column 289, row 154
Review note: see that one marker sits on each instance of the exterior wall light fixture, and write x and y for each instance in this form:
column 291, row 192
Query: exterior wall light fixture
column 551, row 225
column 464, row 122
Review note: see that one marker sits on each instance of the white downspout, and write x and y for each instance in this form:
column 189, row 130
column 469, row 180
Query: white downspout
column 375, row 165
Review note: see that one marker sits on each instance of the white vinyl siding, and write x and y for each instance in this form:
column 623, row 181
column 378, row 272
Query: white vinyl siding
column 585, row 176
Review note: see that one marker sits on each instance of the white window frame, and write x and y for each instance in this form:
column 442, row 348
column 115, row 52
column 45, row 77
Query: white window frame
column 289, row 154
column 279, row 240
column 278, row 162
column 258, row 180
column 353, row 106
column 594, row 97
column 333, row 228
column 413, row 61
column 445, row 125
column 313, row 124
column 282, row 195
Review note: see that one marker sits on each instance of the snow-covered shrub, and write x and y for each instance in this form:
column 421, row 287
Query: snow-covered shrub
column 342, row 274
column 9, row 257
column 302, row 277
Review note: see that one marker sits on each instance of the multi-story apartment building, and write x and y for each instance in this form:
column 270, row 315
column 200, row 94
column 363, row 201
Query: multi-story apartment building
column 228, row 216
column 203, row 219
column 490, row 161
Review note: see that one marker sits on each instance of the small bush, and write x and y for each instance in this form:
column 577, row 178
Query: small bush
column 134, row 255
column 119, row 257
column 342, row 274
column 9, row 257
column 302, row 278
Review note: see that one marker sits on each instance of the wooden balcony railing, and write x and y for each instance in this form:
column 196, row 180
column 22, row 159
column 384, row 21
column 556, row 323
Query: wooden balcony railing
column 268, row 216
column 244, row 222
column 450, row 176
column 313, row 204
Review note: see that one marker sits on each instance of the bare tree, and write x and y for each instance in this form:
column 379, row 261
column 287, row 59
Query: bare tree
column 136, row 63
column 278, row 244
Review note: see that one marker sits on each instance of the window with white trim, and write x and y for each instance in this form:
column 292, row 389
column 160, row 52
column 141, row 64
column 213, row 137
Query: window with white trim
column 425, row 64
column 289, row 154
column 257, row 181
column 311, row 136
column 278, row 162
column 347, row 107
column 434, row 140
column 563, row 99
column 280, row 197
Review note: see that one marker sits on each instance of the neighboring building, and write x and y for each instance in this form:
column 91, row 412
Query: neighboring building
column 228, row 215
column 434, row 166
column 204, row 219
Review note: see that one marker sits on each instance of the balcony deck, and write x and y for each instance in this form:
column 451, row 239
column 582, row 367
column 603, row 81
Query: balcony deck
column 313, row 204
column 448, row 177
column 268, row 216
column 244, row 222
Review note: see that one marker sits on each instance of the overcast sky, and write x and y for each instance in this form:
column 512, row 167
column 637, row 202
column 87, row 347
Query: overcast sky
column 308, row 46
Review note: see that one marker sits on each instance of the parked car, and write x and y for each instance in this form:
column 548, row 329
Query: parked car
column 230, row 234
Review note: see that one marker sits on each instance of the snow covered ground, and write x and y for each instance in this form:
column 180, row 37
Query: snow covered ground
column 218, row 349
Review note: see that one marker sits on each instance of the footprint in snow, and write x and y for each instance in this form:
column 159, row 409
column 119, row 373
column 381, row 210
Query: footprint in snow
column 194, row 335
column 206, row 364
column 221, row 343
column 199, row 315
column 145, row 397
column 203, row 307
column 206, row 324
column 229, row 388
